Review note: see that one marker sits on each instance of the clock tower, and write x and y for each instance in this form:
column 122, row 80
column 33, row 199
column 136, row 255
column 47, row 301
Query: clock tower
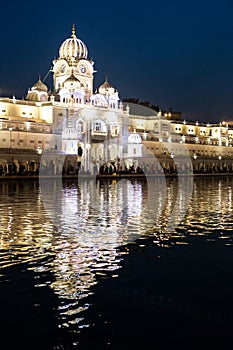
column 73, row 62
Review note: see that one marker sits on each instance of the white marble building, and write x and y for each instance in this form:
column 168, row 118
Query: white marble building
column 75, row 114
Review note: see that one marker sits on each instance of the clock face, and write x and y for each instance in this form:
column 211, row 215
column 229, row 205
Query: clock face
column 82, row 68
column 63, row 68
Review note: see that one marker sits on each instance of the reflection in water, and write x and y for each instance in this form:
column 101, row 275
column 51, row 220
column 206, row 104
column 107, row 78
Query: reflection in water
column 211, row 207
column 74, row 231
column 104, row 213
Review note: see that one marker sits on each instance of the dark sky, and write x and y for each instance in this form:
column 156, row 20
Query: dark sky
column 172, row 53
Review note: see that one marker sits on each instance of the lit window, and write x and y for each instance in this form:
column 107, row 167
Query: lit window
column 97, row 126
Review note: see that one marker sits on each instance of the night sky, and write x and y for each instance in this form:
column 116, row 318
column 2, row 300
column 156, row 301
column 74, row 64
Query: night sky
column 175, row 54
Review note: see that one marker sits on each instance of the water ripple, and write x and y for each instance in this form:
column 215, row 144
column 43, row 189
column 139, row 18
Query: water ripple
column 77, row 260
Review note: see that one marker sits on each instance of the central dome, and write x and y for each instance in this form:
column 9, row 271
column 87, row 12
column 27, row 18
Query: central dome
column 73, row 48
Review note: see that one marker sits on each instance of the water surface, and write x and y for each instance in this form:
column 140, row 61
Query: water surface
column 80, row 259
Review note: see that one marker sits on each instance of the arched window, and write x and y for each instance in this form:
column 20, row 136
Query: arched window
column 114, row 130
column 99, row 126
column 80, row 126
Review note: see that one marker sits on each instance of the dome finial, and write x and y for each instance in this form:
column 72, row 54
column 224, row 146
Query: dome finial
column 73, row 32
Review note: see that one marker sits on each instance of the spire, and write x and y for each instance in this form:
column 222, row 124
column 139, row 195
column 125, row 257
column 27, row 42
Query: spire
column 73, row 32
column 106, row 78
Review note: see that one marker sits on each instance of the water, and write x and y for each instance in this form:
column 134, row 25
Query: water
column 95, row 265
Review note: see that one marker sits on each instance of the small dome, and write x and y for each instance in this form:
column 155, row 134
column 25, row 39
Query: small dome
column 39, row 86
column 72, row 83
column 72, row 78
column 99, row 100
column 73, row 48
column 106, row 88
column 37, row 96
column 134, row 138
column 38, row 92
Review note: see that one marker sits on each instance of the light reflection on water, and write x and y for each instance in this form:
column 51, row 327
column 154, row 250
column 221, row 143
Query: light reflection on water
column 211, row 207
column 81, row 246
column 104, row 213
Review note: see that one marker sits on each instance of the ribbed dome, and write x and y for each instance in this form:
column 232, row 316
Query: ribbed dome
column 73, row 47
column 39, row 86
column 106, row 88
column 106, row 85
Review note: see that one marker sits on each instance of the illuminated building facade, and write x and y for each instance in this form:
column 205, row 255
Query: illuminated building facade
column 74, row 116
